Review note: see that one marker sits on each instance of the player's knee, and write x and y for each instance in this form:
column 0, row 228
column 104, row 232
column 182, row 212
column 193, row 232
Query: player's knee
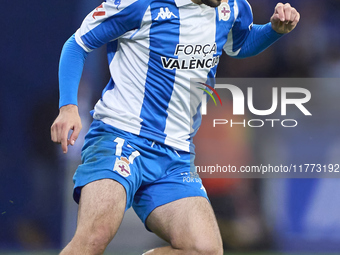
column 96, row 240
column 206, row 248
column 201, row 246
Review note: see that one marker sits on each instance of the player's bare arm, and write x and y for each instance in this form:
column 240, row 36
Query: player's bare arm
column 285, row 18
column 68, row 119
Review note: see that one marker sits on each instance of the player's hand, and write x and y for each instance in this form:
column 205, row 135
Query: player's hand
column 68, row 119
column 285, row 18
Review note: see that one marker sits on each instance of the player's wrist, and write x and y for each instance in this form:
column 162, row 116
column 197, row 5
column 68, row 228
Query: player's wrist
column 69, row 108
column 272, row 32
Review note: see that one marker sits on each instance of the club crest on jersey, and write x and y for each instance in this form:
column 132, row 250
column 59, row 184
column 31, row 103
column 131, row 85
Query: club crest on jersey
column 224, row 11
column 122, row 166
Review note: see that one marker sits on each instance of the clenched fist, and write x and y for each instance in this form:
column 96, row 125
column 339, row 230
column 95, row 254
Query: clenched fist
column 285, row 18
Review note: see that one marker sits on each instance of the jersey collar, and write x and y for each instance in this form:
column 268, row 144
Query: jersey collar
column 180, row 3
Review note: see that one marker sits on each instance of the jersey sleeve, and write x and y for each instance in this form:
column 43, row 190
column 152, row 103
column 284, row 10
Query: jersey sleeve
column 71, row 65
column 109, row 21
column 259, row 39
column 241, row 27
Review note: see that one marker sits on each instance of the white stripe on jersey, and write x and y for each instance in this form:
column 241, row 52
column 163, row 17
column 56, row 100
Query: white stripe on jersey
column 179, row 126
column 126, row 114
column 228, row 47
column 80, row 42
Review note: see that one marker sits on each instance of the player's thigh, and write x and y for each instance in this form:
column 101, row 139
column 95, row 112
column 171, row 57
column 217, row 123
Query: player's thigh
column 186, row 223
column 101, row 209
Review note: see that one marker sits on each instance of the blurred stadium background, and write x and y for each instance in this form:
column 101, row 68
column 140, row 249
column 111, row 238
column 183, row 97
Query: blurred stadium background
column 256, row 216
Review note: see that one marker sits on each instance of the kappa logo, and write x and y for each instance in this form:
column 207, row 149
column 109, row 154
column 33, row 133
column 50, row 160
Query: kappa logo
column 167, row 14
column 122, row 166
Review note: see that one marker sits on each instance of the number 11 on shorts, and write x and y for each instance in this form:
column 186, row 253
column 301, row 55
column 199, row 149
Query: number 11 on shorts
column 119, row 149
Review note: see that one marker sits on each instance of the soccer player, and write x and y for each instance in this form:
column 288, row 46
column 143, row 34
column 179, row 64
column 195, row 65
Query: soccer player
column 138, row 151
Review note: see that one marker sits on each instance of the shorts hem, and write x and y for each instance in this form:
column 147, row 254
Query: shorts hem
column 148, row 212
column 100, row 176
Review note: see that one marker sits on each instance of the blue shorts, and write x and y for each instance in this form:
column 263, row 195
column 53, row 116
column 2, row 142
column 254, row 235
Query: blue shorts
column 152, row 174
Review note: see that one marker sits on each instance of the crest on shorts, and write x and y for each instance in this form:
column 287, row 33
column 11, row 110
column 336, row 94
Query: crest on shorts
column 224, row 11
column 122, row 166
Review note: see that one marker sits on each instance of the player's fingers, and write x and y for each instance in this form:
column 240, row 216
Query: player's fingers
column 63, row 139
column 296, row 19
column 276, row 18
column 64, row 145
column 75, row 134
column 293, row 15
column 53, row 133
column 287, row 12
column 279, row 10
column 278, row 6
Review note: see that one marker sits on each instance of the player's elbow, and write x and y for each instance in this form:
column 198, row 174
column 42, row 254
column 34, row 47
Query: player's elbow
column 240, row 54
column 245, row 54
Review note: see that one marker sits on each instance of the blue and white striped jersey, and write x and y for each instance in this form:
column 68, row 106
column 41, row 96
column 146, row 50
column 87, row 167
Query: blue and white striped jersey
column 154, row 49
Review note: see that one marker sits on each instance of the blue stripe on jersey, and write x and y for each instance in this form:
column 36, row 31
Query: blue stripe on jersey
column 220, row 39
column 110, row 85
column 111, row 50
column 241, row 27
column 164, row 36
column 115, row 26
column 196, row 119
